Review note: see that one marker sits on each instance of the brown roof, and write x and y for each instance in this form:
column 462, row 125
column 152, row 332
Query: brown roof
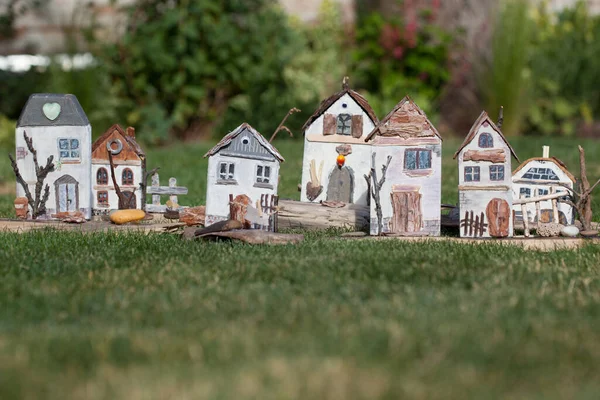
column 325, row 104
column 231, row 135
column 130, row 141
column 386, row 120
column 475, row 128
column 554, row 160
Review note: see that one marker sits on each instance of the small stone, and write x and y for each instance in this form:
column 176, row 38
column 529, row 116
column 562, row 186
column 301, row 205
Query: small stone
column 221, row 226
column 171, row 214
column 549, row 229
column 172, row 205
column 570, row 231
column 589, row 234
column 354, row 234
column 193, row 215
column 21, row 207
column 120, row 217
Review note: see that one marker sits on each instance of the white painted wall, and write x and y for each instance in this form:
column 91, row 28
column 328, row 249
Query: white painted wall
column 45, row 141
column 430, row 186
column 359, row 161
column 217, row 195
column 477, row 201
column 113, row 199
column 566, row 209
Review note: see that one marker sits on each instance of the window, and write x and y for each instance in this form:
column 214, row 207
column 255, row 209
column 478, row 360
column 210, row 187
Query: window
column 245, row 141
column 497, row 172
column 525, row 192
column 542, row 192
column 486, row 140
column 472, row 174
column 102, row 197
column 127, row 177
column 263, row 174
column 344, row 124
column 541, row 174
column 226, row 171
column 417, row 159
column 102, row 176
column 68, row 149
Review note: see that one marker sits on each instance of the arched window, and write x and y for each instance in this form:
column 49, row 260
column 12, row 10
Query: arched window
column 102, row 176
column 344, row 124
column 486, row 140
column 127, row 177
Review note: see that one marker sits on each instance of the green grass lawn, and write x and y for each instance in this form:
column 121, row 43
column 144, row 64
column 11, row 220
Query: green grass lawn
column 106, row 316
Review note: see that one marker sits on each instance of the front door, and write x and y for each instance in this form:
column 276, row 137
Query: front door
column 407, row 212
column 340, row 185
column 67, row 194
column 130, row 200
column 498, row 215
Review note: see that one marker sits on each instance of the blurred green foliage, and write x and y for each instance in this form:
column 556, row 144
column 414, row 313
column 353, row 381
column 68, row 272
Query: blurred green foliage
column 565, row 70
column 395, row 57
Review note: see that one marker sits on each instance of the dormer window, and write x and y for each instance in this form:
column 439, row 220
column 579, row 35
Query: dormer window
column 344, row 124
column 486, row 141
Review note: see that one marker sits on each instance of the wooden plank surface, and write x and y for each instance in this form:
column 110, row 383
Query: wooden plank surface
column 88, row 227
column 296, row 214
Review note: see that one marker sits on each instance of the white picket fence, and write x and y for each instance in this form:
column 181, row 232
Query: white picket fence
column 156, row 191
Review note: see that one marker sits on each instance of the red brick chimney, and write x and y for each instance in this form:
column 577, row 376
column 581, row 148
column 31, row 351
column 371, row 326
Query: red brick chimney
column 131, row 132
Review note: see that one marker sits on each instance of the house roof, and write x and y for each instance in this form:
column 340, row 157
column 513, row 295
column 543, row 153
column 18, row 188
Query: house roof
column 325, row 104
column 70, row 112
column 484, row 117
column 561, row 165
column 385, row 121
column 233, row 134
column 133, row 144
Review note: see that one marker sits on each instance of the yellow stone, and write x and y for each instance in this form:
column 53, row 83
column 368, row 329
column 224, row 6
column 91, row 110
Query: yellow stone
column 120, row 217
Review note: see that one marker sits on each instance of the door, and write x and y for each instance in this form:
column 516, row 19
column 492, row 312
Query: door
column 407, row 216
column 498, row 215
column 341, row 185
column 130, row 200
column 67, row 194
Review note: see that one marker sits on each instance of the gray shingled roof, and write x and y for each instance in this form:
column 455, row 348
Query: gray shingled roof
column 71, row 113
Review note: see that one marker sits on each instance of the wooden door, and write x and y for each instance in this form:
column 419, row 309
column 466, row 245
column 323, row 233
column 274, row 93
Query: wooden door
column 130, row 200
column 407, row 212
column 498, row 215
column 340, row 185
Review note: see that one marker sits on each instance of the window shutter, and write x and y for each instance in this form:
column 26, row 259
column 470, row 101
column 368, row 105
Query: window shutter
column 329, row 124
column 357, row 126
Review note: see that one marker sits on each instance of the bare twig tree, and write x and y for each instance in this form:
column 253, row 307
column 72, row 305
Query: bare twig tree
column 376, row 186
column 37, row 204
column 282, row 127
column 126, row 199
column 583, row 198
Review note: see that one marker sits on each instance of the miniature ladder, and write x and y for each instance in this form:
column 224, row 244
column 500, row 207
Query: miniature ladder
column 156, row 191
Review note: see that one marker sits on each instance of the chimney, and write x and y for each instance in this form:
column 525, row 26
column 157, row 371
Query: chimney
column 131, row 132
column 546, row 151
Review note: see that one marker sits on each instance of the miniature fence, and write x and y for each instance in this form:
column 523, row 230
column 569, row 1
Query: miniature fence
column 264, row 217
column 156, row 191
column 554, row 196
column 473, row 226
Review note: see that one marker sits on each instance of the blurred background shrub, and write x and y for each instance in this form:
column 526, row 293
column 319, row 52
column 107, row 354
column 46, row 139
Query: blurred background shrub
column 193, row 69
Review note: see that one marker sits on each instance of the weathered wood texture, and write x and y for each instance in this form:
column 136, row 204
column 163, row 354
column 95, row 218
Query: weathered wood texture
column 498, row 214
column 295, row 214
column 494, row 156
column 238, row 207
column 357, row 126
column 407, row 217
column 329, row 124
column 341, row 185
column 156, row 191
column 255, row 236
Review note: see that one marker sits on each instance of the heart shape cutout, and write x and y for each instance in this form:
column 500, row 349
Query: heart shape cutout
column 51, row 110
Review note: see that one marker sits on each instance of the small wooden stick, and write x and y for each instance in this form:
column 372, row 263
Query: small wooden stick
column 282, row 127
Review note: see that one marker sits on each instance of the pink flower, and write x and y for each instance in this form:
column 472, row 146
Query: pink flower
column 398, row 52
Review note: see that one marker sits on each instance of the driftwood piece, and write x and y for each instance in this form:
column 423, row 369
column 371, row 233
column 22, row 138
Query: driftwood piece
column 295, row 214
column 221, row 226
column 314, row 187
column 37, row 204
column 126, row 199
column 493, row 156
column 193, row 215
column 255, row 236
column 282, row 127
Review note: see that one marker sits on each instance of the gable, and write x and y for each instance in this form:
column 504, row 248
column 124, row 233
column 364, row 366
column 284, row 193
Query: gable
column 114, row 135
column 50, row 109
column 247, row 146
column 543, row 169
column 484, row 124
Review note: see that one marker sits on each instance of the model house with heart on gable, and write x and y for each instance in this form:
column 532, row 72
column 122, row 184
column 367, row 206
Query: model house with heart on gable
column 243, row 169
column 405, row 173
column 57, row 127
column 335, row 153
column 485, row 181
column 128, row 159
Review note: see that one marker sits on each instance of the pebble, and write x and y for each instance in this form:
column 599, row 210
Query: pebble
column 570, row 231
column 120, row 217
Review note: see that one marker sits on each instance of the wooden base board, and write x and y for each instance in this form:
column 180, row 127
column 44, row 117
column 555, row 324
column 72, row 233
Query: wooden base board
column 88, row 227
